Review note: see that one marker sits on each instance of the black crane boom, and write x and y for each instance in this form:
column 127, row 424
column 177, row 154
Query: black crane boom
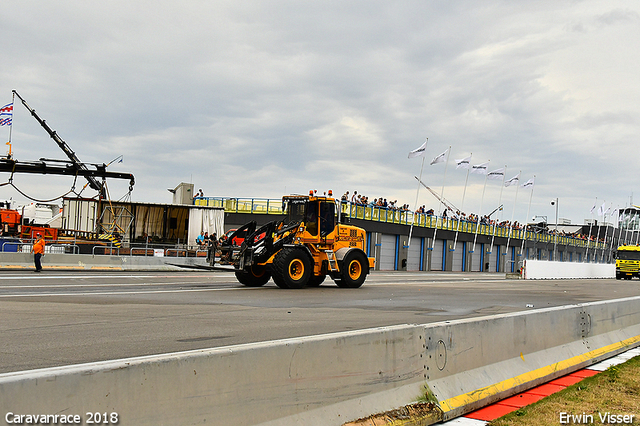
column 68, row 169
column 77, row 164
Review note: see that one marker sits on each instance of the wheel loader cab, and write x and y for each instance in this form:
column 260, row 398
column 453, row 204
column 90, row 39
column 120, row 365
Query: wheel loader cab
column 317, row 213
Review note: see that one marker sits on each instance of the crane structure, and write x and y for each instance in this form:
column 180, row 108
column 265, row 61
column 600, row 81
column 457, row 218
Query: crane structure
column 95, row 174
column 72, row 167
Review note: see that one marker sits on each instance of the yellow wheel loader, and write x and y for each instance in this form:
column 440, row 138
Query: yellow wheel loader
column 300, row 251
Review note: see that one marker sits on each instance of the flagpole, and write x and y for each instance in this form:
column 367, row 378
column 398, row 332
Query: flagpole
column 416, row 203
column 606, row 232
column 510, row 227
column 13, row 101
column 586, row 255
column 464, row 192
column 524, row 239
column 473, row 249
column 419, row 152
column 598, row 232
column 618, row 226
column 495, row 227
column 444, row 177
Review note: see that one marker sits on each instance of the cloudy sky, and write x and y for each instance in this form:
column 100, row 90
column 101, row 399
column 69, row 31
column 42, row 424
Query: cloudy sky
column 256, row 99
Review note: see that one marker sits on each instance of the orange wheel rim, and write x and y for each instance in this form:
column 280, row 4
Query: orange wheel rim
column 355, row 270
column 296, row 269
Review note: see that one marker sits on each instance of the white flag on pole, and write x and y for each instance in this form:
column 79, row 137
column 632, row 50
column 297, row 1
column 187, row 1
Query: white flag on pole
column 593, row 208
column 601, row 209
column 528, row 183
column 419, row 152
column 440, row 158
column 513, row 181
column 463, row 163
column 496, row 174
column 480, row 169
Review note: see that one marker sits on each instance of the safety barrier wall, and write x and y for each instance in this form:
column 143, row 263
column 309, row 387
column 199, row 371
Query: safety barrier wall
column 542, row 269
column 476, row 362
column 334, row 378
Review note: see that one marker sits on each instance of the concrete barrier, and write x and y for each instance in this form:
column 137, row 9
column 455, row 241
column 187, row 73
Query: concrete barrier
column 240, row 385
column 87, row 262
column 335, row 378
column 544, row 269
column 472, row 363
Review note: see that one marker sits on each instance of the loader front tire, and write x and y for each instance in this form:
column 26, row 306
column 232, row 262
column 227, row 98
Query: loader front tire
column 292, row 268
column 255, row 276
column 354, row 270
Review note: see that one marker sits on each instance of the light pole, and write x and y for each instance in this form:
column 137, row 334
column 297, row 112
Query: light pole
column 555, row 239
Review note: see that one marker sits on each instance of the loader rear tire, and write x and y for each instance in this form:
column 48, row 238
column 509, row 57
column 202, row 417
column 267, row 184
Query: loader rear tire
column 292, row 268
column 278, row 280
column 355, row 267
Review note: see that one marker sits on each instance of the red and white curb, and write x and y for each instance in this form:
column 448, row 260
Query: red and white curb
column 491, row 412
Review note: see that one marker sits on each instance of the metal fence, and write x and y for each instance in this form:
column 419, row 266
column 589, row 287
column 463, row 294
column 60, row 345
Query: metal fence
column 381, row 214
column 104, row 248
column 52, row 247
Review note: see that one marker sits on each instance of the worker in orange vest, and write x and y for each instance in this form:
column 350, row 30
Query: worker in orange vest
column 38, row 250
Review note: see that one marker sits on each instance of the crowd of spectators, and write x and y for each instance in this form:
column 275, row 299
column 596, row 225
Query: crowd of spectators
column 363, row 200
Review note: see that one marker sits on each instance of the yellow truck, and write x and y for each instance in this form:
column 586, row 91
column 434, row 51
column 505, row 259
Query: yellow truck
column 300, row 251
column 627, row 262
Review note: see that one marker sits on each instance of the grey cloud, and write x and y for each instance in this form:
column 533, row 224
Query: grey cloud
column 254, row 99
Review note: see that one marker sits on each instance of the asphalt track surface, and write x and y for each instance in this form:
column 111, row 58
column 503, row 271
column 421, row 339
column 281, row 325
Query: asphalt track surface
column 62, row 318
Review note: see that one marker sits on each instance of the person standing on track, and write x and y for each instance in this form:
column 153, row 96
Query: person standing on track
column 38, row 251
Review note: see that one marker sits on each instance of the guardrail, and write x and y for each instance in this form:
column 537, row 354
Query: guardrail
column 15, row 245
column 25, row 247
column 149, row 251
column 382, row 214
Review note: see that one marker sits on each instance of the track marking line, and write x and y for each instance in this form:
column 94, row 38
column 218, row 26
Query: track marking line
column 105, row 285
column 105, row 293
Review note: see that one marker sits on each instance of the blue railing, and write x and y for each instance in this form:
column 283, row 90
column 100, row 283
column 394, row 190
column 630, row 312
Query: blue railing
column 382, row 214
